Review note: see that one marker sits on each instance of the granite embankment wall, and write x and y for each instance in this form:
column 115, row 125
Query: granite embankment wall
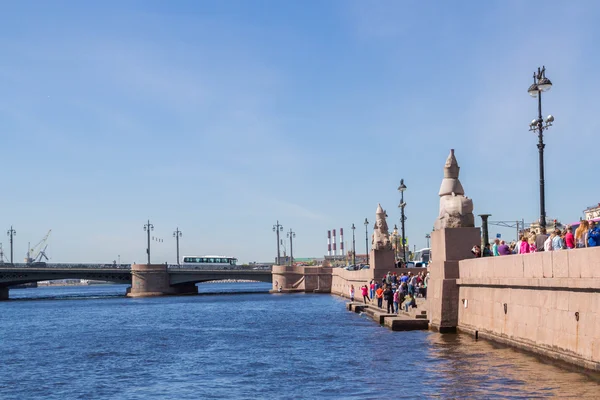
column 327, row 279
column 342, row 279
column 546, row 302
column 301, row 279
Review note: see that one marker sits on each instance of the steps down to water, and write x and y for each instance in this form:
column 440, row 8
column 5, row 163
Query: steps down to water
column 414, row 319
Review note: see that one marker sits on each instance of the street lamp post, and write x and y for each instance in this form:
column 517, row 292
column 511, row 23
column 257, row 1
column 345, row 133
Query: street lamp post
column 353, row 246
column 367, row 239
column 291, row 235
column 402, row 205
column 428, row 236
column 177, row 234
column 148, row 227
column 11, row 232
column 540, row 84
column 278, row 228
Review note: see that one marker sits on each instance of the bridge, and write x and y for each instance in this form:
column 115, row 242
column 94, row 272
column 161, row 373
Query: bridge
column 146, row 280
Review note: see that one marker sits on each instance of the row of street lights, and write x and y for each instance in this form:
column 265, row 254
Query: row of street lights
column 277, row 228
column 150, row 227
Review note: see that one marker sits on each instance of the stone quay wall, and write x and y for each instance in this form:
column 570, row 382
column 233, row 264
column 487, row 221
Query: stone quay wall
column 547, row 302
column 327, row 280
column 301, row 279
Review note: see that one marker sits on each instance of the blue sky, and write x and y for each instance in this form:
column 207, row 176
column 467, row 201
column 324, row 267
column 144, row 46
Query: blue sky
column 221, row 118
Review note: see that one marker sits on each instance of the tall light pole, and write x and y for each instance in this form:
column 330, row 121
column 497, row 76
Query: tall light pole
column 540, row 84
column 177, row 234
column 428, row 236
column 278, row 228
column 367, row 239
column 402, row 205
column 291, row 235
column 353, row 246
column 148, row 227
column 119, row 258
column 11, row 232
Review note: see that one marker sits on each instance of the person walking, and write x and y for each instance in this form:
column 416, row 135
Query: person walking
column 352, row 293
column 593, row 235
column 396, row 298
column 557, row 241
column 365, row 293
column 379, row 295
column 540, row 239
column 581, row 234
column 569, row 238
column 409, row 301
column 495, row 252
column 388, row 294
column 372, row 287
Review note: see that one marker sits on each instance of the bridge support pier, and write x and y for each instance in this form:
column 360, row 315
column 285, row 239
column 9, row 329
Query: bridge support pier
column 153, row 280
column 3, row 293
column 185, row 288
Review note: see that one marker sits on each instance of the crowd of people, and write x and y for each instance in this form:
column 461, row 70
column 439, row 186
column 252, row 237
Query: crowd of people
column 587, row 234
column 398, row 291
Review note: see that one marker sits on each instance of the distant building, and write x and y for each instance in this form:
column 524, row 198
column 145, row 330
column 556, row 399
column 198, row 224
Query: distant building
column 592, row 212
column 550, row 224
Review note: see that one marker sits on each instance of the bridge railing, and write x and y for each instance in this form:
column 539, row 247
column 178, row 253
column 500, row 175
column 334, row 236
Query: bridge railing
column 174, row 267
column 66, row 265
column 219, row 268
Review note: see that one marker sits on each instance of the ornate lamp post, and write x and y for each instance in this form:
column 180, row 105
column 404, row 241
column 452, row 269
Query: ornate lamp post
column 353, row 246
column 11, row 232
column 148, row 227
column 278, row 228
column 540, row 84
column 402, row 205
column 177, row 234
column 367, row 239
column 428, row 236
column 291, row 235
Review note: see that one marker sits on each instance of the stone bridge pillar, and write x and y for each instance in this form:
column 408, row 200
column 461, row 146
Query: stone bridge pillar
column 153, row 280
column 3, row 293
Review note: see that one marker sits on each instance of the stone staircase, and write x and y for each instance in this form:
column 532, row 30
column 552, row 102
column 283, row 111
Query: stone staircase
column 414, row 319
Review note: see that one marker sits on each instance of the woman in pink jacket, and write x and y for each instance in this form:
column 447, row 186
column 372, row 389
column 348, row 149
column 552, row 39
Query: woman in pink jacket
column 365, row 293
column 524, row 245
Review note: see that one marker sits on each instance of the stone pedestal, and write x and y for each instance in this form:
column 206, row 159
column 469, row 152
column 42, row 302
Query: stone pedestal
column 4, row 293
column 153, row 280
column 448, row 247
column 381, row 262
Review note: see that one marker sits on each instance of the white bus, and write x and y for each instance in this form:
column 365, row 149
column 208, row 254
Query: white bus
column 422, row 257
column 209, row 262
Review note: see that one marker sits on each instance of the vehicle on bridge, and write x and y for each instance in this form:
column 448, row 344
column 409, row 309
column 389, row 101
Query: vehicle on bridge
column 209, row 262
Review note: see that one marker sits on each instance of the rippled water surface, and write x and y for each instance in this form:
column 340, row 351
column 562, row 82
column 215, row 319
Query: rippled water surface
column 93, row 343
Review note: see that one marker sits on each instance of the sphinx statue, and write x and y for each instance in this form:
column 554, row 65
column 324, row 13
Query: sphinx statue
column 380, row 240
column 456, row 210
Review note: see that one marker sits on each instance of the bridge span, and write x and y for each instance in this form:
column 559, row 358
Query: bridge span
column 145, row 280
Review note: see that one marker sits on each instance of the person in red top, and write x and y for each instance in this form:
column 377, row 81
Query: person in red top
column 365, row 293
column 569, row 238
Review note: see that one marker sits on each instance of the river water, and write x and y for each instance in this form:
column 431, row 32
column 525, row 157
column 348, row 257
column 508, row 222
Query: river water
column 93, row 343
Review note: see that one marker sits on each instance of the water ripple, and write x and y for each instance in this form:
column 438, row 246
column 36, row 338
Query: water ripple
column 248, row 346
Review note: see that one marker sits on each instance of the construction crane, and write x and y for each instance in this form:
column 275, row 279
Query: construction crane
column 37, row 253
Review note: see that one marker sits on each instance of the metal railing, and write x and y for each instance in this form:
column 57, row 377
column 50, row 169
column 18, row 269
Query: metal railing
column 65, row 266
